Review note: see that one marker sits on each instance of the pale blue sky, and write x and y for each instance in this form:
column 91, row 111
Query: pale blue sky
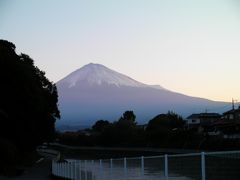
column 188, row 46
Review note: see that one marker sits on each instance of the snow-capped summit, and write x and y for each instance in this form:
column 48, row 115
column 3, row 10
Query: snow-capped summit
column 97, row 74
column 96, row 92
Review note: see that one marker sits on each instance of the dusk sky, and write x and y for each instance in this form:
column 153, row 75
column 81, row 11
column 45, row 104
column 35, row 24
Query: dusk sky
column 188, row 46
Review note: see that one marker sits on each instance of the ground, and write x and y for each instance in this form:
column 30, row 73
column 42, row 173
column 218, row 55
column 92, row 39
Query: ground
column 40, row 171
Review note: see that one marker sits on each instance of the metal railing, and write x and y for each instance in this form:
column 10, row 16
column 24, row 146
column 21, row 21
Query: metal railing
column 200, row 166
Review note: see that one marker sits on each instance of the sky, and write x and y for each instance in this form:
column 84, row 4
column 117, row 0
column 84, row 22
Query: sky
column 190, row 46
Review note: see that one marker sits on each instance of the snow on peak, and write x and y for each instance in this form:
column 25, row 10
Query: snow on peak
column 99, row 74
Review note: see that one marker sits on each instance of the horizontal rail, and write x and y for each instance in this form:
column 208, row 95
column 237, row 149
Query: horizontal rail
column 142, row 167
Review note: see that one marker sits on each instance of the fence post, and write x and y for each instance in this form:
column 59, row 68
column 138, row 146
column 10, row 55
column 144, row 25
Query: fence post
column 52, row 168
column 166, row 167
column 142, row 167
column 203, row 167
column 92, row 168
column 72, row 170
column 60, row 169
column 63, row 172
column 57, row 168
column 125, row 169
column 80, row 170
column 101, row 169
column 64, row 168
column 69, row 169
column 85, row 169
column 111, row 169
column 75, row 169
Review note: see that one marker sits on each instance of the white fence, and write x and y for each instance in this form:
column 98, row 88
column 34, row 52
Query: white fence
column 200, row 166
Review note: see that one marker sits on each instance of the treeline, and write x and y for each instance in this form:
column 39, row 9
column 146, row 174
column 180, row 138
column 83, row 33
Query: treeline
column 163, row 131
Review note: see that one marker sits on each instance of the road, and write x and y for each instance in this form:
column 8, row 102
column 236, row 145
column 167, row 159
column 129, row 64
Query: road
column 41, row 169
column 143, row 149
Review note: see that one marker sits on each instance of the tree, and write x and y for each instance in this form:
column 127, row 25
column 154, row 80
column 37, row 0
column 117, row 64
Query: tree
column 124, row 128
column 167, row 121
column 128, row 118
column 28, row 100
column 100, row 125
column 163, row 128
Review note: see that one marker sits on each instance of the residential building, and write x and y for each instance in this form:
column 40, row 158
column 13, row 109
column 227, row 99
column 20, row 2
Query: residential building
column 232, row 115
column 202, row 119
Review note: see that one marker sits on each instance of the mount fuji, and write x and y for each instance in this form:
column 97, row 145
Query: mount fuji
column 96, row 92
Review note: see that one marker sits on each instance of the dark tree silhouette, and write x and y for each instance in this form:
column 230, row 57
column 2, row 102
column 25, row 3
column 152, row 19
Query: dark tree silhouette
column 124, row 128
column 164, row 128
column 167, row 121
column 28, row 100
column 100, row 125
column 128, row 118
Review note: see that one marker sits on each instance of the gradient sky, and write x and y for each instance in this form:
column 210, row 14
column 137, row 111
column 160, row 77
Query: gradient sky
column 188, row 46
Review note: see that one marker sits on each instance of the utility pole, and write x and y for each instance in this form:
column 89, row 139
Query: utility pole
column 233, row 104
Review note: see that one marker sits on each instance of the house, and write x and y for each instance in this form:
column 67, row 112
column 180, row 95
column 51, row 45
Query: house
column 193, row 120
column 225, row 128
column 202, row 119
column 229, row 126
column 232, row 115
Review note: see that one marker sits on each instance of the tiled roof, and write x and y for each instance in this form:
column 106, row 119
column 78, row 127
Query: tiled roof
column 203, row 115
column 193, row 116
column 209, row 115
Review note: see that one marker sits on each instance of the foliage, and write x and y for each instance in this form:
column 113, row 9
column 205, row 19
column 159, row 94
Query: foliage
column 164, row 128
column 163, row 131
column 165, row 122
column 124, row 128
column 7, row 156
column 128, row 117
column 100, row 125
column 28, row 106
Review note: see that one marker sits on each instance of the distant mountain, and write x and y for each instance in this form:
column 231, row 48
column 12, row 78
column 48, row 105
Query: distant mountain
column 96, row 92
column 97, row 74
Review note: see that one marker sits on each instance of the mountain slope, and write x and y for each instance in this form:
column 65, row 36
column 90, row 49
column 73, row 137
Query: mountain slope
column 96, row 92
column 97, row 74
